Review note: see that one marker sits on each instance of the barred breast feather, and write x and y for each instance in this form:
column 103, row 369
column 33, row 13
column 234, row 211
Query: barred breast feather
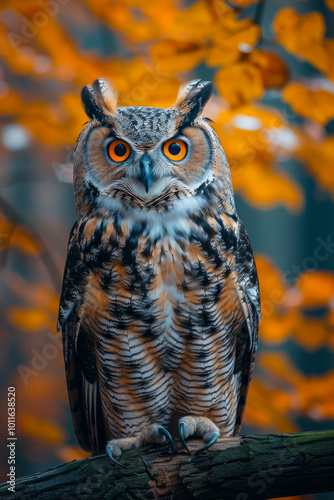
column 159, row 313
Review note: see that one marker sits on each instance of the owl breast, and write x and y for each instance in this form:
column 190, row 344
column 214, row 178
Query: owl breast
column 158, row 306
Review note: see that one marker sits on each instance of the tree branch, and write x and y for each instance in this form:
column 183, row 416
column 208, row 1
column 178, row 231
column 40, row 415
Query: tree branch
column 243, row 468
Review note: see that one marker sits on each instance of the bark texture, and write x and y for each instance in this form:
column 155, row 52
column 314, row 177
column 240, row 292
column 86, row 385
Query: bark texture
column 243, row 468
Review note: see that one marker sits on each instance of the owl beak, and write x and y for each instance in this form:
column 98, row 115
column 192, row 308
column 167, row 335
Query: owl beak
column 146, row 176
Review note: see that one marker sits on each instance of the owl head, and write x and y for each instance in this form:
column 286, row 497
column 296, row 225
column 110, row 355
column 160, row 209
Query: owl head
column 145, row 151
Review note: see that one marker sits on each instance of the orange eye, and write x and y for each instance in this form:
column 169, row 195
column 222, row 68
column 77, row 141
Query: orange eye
column 118, row 150
column 175, row 150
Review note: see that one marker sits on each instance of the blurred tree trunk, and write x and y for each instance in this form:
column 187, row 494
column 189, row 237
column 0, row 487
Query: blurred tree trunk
column 243, row 468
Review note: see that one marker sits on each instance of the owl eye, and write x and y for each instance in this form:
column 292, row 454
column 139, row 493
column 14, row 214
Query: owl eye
column 175, row 150
column 119, row 150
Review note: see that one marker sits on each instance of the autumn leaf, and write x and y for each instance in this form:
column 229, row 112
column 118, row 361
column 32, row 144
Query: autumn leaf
column 143, row 49
column 267, row 407
column 317, row 105
column 329, row 4
column 273, row 68
column 28, row 318
column 41, row 429
column 231, row 40
column 243, row 3
column 319, row 158
column 314, row 289
column 11, row 102
column 17, row 236
column 267, row 186
column 239, row 84
column 202, row 19
column 41, row 313
column 312, row 334
column 142, row 84
column 178, row 54
column 303, row 35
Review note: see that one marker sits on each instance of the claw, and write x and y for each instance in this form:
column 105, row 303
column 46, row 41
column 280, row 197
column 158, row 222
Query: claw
column 210, row 443
column 109, row 454
column 181, row 434
column 165, row 433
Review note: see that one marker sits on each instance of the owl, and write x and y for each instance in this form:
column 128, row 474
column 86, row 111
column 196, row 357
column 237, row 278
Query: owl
column 160, row 301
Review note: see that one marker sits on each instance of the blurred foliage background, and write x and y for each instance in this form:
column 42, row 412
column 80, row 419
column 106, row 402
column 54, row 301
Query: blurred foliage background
column 272, row 64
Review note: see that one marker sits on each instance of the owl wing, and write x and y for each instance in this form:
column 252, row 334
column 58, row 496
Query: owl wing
column 79, row 357
column 246, row 342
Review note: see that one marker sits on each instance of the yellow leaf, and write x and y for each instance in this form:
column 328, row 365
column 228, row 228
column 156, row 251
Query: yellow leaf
column 239, row 84
column 267, row 186
column 178, row 54
column 202, row 18
column 141, row 84
column 230, row 40
column 303, row 35
column 315, row 104
column 274, row 70
column 263, row 117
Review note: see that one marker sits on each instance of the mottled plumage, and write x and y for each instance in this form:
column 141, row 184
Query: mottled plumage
column 160, row 301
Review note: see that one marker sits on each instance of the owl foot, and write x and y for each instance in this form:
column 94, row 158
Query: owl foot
column 198, row 426
column 152, row 434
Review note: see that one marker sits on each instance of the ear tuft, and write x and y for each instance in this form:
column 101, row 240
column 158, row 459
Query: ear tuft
column 191, row 100
column 99, row 99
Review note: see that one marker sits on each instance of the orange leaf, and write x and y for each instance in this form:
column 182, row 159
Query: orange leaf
column 178, row 54
column 11, row 102
column 270, row 278
column 316, row 288
column 267, row 407
column 70, row 453
column 274, row 328
column 230, row 40
column 315, row 104
column 312, row 334
column 303, row 35
column 329, row 4
column 274, row 70
column 202, row 18
column 25, row 242
column 279, row 366
column 239, row 84
column 267, row 186
column 33, row 318
column 320, row 158
column 243, row 3
column 42, row 430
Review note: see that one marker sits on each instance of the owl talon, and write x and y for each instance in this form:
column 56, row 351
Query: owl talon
column 181, row 434
column 201, row 427
column 210, row 443
column 110, row 456
column 167, row 435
